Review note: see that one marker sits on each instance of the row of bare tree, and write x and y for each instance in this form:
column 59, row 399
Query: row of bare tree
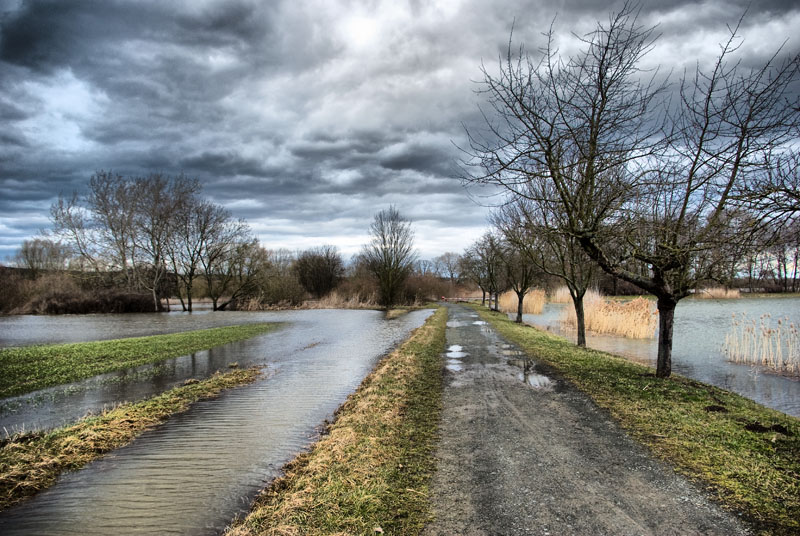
column 146, row 228
column 662, row 184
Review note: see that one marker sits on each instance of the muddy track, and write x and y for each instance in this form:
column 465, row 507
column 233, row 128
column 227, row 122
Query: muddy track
column 523, row 452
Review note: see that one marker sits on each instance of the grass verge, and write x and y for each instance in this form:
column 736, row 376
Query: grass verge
column 747, row 455
column 30, row 368
column 31, row 462
column 373, row 467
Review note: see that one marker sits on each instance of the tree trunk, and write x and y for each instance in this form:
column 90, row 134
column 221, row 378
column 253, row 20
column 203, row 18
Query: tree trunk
column 155, row 299
column 666, row 316
column 520, row 297
column 580, row 319
column 483, row 298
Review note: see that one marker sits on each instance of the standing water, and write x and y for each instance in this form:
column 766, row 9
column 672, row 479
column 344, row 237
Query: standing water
column 699, row 333
column 195, row 473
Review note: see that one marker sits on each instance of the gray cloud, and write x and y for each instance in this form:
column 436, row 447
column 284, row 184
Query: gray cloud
column 303, row 117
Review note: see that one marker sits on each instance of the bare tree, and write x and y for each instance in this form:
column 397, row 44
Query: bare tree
column 230, row 254
column 447, row 265
column 520, row 274
column 197, row 227
column 487, row 265
column 633, row 184
column 42, row 255
column 538, row 231
column 471, row 267
column 319, row 270
column 158, row 199
column 390, row 254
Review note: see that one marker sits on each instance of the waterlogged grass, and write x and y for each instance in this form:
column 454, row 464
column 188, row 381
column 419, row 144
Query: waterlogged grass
column 747, row 456
column 31, row 462
column 370, row 473
column 30, row 368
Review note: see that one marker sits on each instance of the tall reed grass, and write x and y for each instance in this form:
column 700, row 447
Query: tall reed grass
column 561, row 295
column 759, row 343
column 718, row 293
column 532, row 303
column 334, row 300
column 635, row 319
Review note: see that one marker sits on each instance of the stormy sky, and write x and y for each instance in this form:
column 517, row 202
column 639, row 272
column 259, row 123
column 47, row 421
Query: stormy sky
column 305, row 117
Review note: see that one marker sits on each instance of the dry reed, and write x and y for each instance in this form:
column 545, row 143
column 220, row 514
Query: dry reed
column 532, row 303
column 759, row 343
column 635, row 319
column 561, row 295
column 718, row 293
column 336, row 301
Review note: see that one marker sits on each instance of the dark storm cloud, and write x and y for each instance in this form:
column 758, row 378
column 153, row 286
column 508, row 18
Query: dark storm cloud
column 303, row 117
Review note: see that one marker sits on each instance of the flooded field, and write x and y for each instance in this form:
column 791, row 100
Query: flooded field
column 196, row 472
column 700, row 329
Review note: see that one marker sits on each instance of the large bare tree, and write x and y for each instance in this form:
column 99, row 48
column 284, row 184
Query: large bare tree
column 390, row 254
column 640, row 179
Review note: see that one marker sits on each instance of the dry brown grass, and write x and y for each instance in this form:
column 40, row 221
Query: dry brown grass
column 31, row 462
column 334, row 300
column 532, row 303
column 718, row 293
column 636, row 319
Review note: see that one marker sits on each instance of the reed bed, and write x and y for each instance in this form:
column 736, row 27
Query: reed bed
column 336, row 301
column 635, row 319
column 561, row 295
column 718, row 293
column 760, row 343
column 532, row 303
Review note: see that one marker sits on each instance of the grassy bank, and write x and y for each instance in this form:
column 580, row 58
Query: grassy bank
column 29, row 368
column 372, row 469
column 748, row 456
column 32, row 462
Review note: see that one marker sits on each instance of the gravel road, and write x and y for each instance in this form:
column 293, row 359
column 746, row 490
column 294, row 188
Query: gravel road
column 523, row 452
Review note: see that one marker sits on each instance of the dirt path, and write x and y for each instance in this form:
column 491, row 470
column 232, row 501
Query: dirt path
column 528, row 454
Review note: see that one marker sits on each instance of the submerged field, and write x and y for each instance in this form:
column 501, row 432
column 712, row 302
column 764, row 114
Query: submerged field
column 31, row 462
column 29, row 368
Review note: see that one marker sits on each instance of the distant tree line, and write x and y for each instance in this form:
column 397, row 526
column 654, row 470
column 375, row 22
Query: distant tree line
column 138, row 243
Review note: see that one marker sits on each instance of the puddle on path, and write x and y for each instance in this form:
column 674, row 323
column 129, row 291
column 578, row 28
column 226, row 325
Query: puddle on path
column 535, row 380
column 456, row 324
column 457, row 355
column 479, row 323
column 455, row 348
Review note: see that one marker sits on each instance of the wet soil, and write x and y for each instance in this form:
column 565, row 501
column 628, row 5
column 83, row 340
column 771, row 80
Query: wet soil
column 523, row 452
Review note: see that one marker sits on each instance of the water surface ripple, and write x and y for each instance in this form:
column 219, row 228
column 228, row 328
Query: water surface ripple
column 699, row 334
column 196, row 472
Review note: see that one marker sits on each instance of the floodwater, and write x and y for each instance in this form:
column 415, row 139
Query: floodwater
column 199, row 470
column 699, row 333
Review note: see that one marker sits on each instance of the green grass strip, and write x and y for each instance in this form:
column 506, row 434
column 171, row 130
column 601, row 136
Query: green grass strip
column 373, row 467
column 746, row 455
column 30, row 368
column 32, row 462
